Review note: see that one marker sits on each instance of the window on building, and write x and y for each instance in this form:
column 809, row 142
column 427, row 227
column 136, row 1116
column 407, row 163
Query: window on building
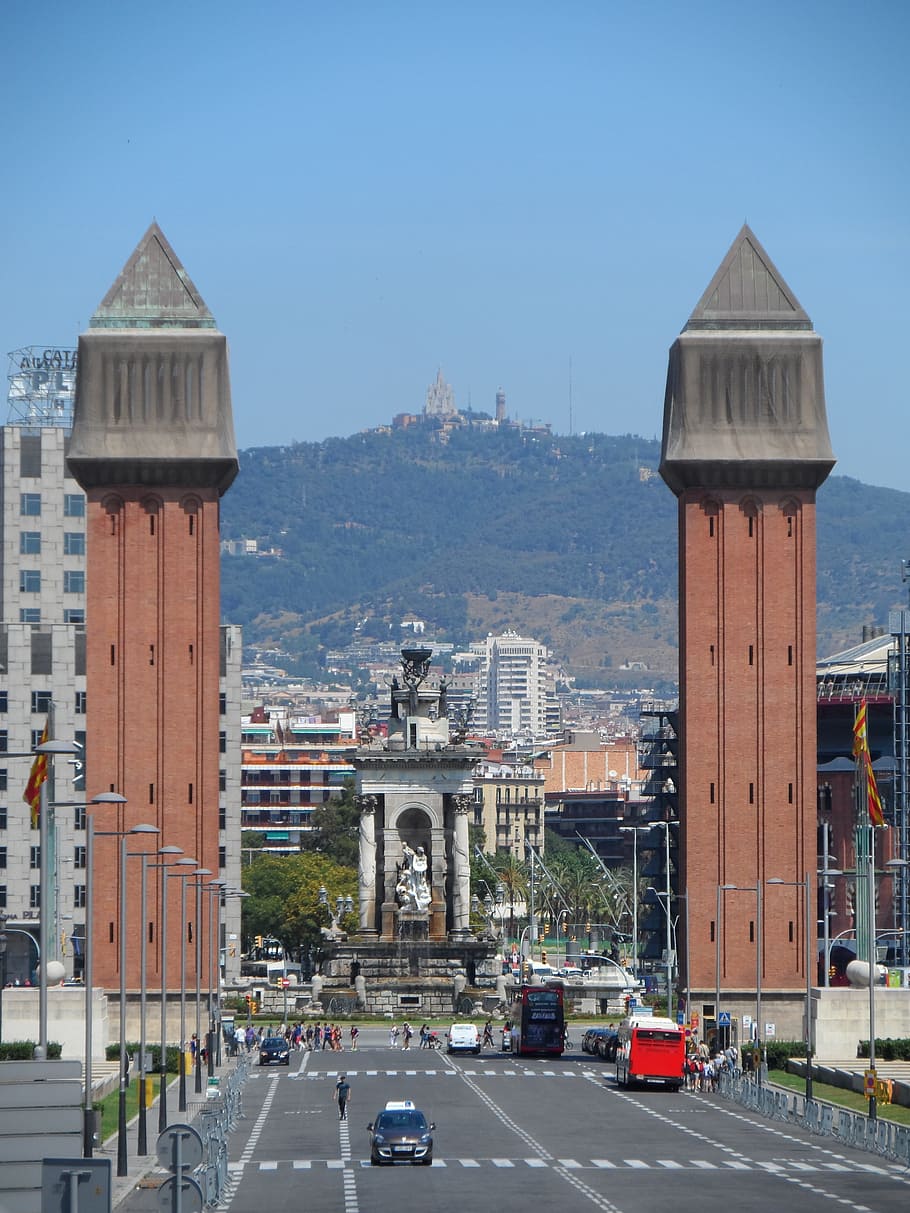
column 2, row 816
column 222, row 781
column 222, row 858
column 42, row 651
column 222, row 742
column 73, row 581
column 3, row 778
column 79, row 896
column 30, row 505
column 79, row 856
column 41, row 701
column 73, row 543
column 74, row 615
column 34, row 896
column 30, row 581
column 2, row 896
column 2, row 857
column 29, row 614
column 79, row 817
column 30, row 454
column 34, row 857
column 80, row 703
column 222, row 704
column 222, row 817
column 29, row 543
column 4, row 701
column 37, row 734
column 4, row 740
column 73, row 505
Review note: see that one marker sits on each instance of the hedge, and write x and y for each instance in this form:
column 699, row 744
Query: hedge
column 24, row 1050
column 887, row 1049
column 172, row 1056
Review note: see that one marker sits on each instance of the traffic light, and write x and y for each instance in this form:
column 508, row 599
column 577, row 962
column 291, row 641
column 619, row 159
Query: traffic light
column 543, row 956
column 258, row 941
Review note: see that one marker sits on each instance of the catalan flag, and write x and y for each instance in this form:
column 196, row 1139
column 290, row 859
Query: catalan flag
column 860, row 732
column 32, row 795
column 876, row 814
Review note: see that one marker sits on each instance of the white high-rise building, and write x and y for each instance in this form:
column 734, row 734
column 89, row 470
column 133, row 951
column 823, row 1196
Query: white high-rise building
column 515, row 688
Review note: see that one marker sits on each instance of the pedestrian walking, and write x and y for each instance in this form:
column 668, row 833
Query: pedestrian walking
column 393, row 1036
column 408, row 1033
column 342, row 1096
column 355, row 1032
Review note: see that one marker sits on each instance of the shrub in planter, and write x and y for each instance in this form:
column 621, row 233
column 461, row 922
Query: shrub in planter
column 24, row 1050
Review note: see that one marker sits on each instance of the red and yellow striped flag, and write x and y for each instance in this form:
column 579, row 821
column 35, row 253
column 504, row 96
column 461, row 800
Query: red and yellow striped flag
column 860, row 732
column 876, row 813
column 32, row 794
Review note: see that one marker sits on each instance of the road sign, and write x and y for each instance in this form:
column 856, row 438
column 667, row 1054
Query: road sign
column 284, row 982
column 179, row 1147
column 185, row 1198
column 723, row 1019
column 76, row 1183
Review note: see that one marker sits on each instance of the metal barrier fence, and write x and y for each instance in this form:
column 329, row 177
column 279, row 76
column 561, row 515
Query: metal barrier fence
column 213, row 1120
column 882, row 1137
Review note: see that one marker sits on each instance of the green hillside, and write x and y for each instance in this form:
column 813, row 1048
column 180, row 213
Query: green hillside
column 569, row 539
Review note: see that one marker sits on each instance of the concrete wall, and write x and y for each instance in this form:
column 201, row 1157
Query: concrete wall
column 842, row 1019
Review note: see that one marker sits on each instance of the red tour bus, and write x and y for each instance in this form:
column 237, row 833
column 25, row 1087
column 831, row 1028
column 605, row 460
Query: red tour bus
column 650, row 1050
column 538, row 1020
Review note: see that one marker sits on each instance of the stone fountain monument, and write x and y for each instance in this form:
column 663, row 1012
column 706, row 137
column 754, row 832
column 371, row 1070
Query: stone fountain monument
column 414, row 954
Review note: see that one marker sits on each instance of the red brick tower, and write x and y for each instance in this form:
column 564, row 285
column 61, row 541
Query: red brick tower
column 153, row 447
column 745, row 446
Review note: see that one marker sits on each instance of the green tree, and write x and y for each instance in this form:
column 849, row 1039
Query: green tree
column 284, row 897
column 335, row 829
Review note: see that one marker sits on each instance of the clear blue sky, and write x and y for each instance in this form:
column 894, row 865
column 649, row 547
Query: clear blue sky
column 364, row 192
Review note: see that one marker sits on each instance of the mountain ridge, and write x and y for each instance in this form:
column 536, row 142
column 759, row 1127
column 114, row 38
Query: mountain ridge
column 571, row 539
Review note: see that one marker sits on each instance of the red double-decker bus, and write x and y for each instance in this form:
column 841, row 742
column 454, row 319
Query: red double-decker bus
column 538, row 1020
column 650, row 1051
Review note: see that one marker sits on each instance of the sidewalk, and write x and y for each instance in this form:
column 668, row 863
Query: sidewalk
column 143, row 1167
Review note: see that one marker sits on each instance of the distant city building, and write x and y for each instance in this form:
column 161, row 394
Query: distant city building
column 516, row 689
column 291, row 765
column 508, row 804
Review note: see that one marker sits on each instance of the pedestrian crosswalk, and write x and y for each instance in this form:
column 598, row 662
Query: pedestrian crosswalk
column 321, row 1075
column 726, row 1165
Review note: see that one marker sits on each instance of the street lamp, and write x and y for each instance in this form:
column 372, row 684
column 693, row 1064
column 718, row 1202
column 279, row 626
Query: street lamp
column 142, row 1144
column 186, row 862
column 807, row 887
column 665, row 826
column 759, row 1026
column 635, row 831
column 197, row 1058
column 216, row 892
column 122, row 836
column 3, row 918
column 181, row 1084
column 49, row 749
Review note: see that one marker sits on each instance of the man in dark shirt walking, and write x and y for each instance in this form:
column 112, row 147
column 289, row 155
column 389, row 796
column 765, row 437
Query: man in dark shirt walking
column 342, row 1095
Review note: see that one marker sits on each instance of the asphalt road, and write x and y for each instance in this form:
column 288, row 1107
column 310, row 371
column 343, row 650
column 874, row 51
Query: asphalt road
column 513, row 1133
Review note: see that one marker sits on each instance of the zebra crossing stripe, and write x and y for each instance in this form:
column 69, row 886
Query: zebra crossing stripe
column 502, row 1162
column 704, row 1166
column 669, row 1164
column 535, row 1162
column 469, row 1162
column 636, row 1164
column 604, row 1164
column 302, row 1164
column 570, row 1164
column 744, row 1166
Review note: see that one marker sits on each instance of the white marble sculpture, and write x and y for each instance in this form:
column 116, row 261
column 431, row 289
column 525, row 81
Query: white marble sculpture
column 412, row 888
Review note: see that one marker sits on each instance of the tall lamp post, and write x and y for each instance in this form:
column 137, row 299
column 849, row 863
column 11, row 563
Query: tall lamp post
column 121, row 836
column 198, row 885
column 3, row 918
column 759, row 1026
column 49, row 749
column 216, row 890
column 806, row 886
column 181, row 1084
column 635, row 831
column 169, row 853
column 88, row 1112
column 186, row 862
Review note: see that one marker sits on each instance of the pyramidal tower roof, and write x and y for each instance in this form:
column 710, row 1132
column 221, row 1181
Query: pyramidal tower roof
column 153, row 291
column 748, row 292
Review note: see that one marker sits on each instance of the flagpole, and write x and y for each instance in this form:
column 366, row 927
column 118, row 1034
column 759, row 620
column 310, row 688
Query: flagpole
column 40, row 1053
